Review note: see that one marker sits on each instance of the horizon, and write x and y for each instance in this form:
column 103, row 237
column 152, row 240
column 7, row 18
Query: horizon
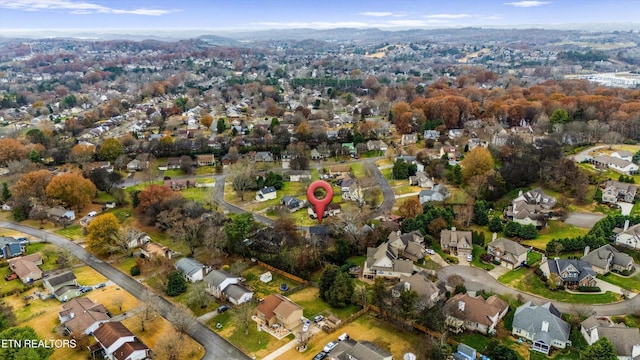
column 32, row 17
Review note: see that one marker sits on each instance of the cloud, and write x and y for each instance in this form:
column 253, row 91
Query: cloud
column 382, row 14
column 76, row 7
column 448, row 16
column 528, row 3
column 314, row 25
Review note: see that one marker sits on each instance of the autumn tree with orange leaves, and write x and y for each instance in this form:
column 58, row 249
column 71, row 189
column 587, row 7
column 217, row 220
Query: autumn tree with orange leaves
column 72, row 189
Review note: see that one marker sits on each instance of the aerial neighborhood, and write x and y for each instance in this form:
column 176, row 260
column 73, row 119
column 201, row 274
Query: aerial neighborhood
column 483, row 199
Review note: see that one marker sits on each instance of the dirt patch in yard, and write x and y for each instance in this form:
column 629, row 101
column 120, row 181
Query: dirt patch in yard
column 86, row 276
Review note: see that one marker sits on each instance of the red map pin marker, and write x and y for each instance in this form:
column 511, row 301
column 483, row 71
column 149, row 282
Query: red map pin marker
column 319, row 204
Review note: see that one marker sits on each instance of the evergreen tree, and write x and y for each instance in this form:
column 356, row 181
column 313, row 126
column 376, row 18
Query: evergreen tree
column 6, row 194
column 495, row 224
column 512, row 229
column 599, row 350
column 176, row 284
column 481, row 212
column 400, row 170
column 341, row 292
column 221, row 126
column 329, row 275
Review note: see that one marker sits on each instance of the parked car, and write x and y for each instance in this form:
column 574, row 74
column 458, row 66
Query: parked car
column 11, row 276
column 85, row 289
column 222, row 309
column 469, row 257
column 330, row 346
column 319, row 356
column 101, row 285
column 318, row 318
column 430, row 251
column 306, row 325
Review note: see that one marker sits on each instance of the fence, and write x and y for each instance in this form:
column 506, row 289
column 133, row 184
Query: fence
column 283, row 273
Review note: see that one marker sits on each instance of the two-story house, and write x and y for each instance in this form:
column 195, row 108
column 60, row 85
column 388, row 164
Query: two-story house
column 278, row 309
column 225, row 286
column 354, row 350
column 384, row 261
column 456, row 242
column 628, row 235
column 508, row 252
column 474, row 313
column 625, row 340
column 63, row 286
column 542, row 325
column 607, row 258
column 616, row 191
column 569, row 273
column 409, row 245
column 429, row 293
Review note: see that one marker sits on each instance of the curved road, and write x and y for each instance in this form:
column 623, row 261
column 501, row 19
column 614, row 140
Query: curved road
column 476, row 279
column 216, row 347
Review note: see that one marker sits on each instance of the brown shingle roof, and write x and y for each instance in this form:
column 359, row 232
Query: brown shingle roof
column 86, row 313
column 25, row 265
column 269, row 304
column 128, row 348
column 475, row 309
column 109, row 332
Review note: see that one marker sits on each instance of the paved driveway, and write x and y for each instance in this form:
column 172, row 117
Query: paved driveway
column 625, row 208
column 583, row 220
column 216, row 347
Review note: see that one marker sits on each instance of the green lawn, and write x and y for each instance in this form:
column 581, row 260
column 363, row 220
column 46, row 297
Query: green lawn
column 533, row 257
column 477, row 251
column 525, row 280
column 261, row 290
column 358, row 170
column 9, row 287
column 358, row 260
column 631, row 283
column 73, row 232
column 476, row 341
column 174, row 173
column 555, row 230
column 104, row 197
column 458, row 196
column 310, row 301
column 204, row 170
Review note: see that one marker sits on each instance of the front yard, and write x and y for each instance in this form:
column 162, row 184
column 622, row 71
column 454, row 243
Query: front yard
column 631, row 283
column 525, row 279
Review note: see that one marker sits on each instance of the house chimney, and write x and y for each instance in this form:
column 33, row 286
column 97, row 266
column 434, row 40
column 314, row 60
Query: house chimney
column 586, row 250
column 545, row 326
column 461, row 305
column 453, row 228
column 494, row 236
column 407, row 286
column 626, row 225
column 519, row 193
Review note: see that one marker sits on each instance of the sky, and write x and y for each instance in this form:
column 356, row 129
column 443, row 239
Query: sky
column 238, row 15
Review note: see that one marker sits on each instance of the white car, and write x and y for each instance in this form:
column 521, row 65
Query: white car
column 305, row 327
column 330, row 346
column 469, row 257
column 430, row 251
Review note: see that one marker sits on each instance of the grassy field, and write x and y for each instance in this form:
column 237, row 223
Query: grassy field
column 631, row 283
column 309, row 299
column 252, row 277
column 103, row 197
column 205, row 170
column 525, row 280
column 365, row 328
column 73, row 232
column 87, row 276
column 555, row 230
column 458, row 197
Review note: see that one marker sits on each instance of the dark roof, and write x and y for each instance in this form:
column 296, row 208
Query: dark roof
column 61, row 279
column 109, row 332
column 128, row 348
column 318, row 230
column 217, row 277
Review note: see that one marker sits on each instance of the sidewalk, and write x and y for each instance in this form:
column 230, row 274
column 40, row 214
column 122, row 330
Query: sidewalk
column 208, row 316
column 290, row 345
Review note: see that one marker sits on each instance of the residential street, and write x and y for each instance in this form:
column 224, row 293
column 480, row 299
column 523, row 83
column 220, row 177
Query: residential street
column 216, row 347
column 477, row 279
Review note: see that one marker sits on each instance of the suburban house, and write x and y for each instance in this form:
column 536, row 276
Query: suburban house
column 569, row 272
column 60, row 213
column 330, row 210
column 180, row 184
column 465, row 352
column 317, row 155
column 351, row 349
column 428, row 292
column 456, row 242
column 510, row 254
column 299, row 175
column 136, row 239
column 384, row 261
column 422, row 180
column 628, row 235
column 264, row 156
column 451, row 152
column 607, row 258
column 350, row 190
column 532, row 207
column 116, row 342
column 474, row 313
column 192, row 269
column 542, row 325
column 431, row 134
column 11, row 247
column 83, row 316
column 151, row 249
column 337, row 170
column 267, row 193
column 278, row 309
column 136, row 165
column 408, row 139
column 455, row 133
column 625, row 340
column 437, row 193
column 205, row 160
column 225, row 286
column 376, row 145
column 616, row 164
column 623, row 154
column 292, row 204
column 63, row 286
column 409, row 245
column 173, row 163
column 616, row 191
column 26, row 267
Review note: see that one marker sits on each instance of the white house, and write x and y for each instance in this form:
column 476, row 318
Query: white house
column 268, row 193
column 224, row 285
column 118, row 342
column 383, row 261
column 616, row 164
column 192, row 269
column 628, row 236
column 542, row 325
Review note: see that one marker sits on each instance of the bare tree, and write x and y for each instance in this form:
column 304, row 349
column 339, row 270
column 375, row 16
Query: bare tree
column 182, row 320
column 171, row 347
column 197, row 295
column 303, row 340
column 118, row 301
column 147, row 309
column 189, row 231
column 238, row 267
column 360, row 295
column 243, row 315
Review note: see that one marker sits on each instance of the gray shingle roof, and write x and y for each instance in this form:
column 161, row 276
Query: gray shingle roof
column 530, row 317
column 216, row 277
column 189, row 266
column 600, row 257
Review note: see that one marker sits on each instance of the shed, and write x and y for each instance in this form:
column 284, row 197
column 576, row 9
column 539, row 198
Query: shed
column 266, row 277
